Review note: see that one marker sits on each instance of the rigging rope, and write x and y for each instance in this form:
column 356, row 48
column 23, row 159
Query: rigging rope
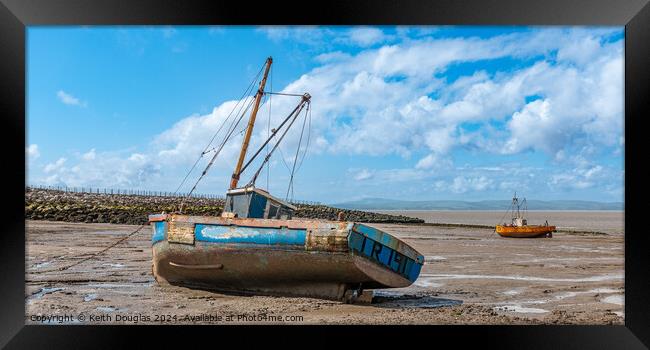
column 283, row 161
column 223, row 143
column 268, row 134
column 95, row 254
column 308, row 138
column 234, row 125
column 306, row 147
column 500, row 221
column 295, row 159
column 297, row 112
column 504, row 214
column 205, row 150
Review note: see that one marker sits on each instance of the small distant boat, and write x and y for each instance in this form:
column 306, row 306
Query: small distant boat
column 255, row 246
column 518, row 227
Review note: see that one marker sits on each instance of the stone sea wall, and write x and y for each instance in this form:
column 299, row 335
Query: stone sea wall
column 53, row 205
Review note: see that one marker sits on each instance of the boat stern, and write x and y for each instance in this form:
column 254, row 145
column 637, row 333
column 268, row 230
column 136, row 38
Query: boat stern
column 380, row 251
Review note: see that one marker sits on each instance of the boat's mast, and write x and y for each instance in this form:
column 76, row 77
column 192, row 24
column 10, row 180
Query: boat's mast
column 251, row 124
column 517, row 202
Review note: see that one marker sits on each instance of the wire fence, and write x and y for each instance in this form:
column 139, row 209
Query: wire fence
column 123, row 192
column 135, row 192
column 299, row 202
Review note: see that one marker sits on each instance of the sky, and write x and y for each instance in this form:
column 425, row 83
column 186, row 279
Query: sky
column 410, row 113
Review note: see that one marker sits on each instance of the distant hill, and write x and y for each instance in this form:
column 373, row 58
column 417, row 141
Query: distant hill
column 392, row 204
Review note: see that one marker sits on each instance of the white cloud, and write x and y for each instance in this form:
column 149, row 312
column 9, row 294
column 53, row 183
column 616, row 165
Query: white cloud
column 433, row 162
column 331, row 57
column 398, row 99
column 363, row 174
column 583, row 50
column 366, row 36
column 578, row 103
column 138, row 158
column 400, row 175
column 461, row 184
column 427, row 162
column 185, row 140
column 106, row 170
column 584, row 174
column 54, row 166
column 68, row 99
column 32, row 152
column 90, row 155
column 384, row 96
column 529, row 127
column 593, row 172
column 512, row 186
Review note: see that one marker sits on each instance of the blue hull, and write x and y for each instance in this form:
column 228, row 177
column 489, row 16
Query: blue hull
column 295, row 257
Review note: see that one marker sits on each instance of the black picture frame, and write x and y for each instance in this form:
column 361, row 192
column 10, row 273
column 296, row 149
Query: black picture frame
column 15, row 15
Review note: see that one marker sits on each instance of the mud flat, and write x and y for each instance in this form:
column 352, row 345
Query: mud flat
column 471, row 276
column 595, row 221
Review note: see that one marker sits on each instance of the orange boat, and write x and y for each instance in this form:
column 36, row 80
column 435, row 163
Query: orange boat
column 518, row 227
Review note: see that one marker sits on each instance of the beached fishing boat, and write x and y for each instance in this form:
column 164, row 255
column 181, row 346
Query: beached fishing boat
column 518, row 226
column 256, row 246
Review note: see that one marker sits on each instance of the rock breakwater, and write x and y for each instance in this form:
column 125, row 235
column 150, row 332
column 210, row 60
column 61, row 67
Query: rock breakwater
column 54, row 205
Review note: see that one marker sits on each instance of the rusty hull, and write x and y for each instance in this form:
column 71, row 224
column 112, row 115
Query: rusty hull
column 307, row 258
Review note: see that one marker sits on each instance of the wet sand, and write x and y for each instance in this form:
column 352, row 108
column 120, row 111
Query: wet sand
column 609, row 221
column 471, row 276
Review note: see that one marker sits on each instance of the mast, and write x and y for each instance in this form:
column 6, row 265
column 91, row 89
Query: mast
column 517, row 201
column 515, row 208
column 251, row 124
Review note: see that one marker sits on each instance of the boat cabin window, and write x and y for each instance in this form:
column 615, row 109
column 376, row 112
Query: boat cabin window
column 256, row 204
column 273, row 211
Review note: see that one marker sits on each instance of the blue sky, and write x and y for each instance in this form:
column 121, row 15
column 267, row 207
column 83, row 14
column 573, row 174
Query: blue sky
column 418, row 113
